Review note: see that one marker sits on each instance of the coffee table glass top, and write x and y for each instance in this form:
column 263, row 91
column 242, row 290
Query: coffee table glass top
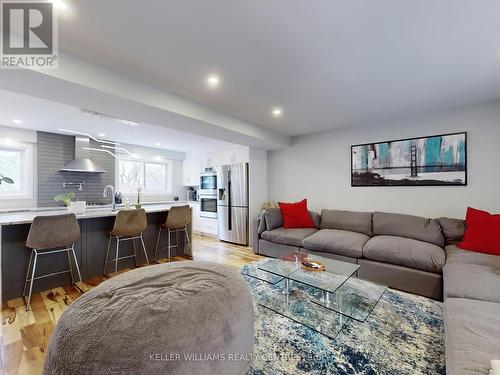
column 300, row 307
column 336, row 288
column 356, row 298
column 335, row 275
column 280, row 267
column 253, row 271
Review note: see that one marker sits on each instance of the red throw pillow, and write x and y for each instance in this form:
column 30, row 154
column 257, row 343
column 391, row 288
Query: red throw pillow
column 482, row 232
column 295, row 215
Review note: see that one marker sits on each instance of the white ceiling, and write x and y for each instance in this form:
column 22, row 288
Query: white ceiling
column 328, row 63
column 44, row 115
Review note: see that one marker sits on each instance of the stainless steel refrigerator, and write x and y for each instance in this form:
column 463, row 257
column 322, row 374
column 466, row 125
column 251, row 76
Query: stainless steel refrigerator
column 232, row 203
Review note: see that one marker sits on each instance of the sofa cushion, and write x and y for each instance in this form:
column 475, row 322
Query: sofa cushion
column 453, row 230
column 360, row 222
column 261, row 224
column 292, row 236
column 471, row 275
column 481, row 232
column 472, row 336
column 296, row 215
column 415, row 227
column 405, row 252
column 336, row 241
column 456, row 255
column 273, row 218
column 473, row 281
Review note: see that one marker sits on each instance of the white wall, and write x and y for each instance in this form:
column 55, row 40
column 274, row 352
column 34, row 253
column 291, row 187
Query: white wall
column 317, row 166
column 257, row 184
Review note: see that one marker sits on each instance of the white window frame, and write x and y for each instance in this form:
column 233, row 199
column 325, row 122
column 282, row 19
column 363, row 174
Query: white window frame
column 168, row 183
column 28, row 170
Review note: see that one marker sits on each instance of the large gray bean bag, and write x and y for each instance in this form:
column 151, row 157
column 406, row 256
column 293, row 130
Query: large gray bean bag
column 186, row 318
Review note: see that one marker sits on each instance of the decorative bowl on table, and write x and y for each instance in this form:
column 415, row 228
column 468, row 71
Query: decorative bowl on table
column 312, row 265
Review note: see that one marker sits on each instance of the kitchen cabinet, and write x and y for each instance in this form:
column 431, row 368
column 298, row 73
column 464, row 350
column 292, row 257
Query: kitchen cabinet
column 231, row 156
column 195, row 224
column 209, row 226
column 235, row 156
column 210, row 160
column 191, row 172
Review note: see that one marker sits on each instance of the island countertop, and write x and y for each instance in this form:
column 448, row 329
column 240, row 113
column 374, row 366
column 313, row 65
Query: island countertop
column 25, row 216
column 95, row 225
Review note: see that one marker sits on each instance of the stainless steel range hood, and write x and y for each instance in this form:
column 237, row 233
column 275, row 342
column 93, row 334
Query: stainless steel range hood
column 82, row 161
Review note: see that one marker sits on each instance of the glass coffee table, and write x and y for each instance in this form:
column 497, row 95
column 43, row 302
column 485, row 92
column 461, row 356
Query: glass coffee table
column 322, row 300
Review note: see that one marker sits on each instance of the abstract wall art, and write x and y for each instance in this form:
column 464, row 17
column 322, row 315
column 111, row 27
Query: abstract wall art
column 426, row 161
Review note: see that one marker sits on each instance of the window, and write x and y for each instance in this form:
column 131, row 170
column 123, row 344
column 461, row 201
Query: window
column 152, row 177
column 16, row 162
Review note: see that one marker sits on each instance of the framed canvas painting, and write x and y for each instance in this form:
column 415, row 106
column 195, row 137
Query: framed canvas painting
column 426, row 161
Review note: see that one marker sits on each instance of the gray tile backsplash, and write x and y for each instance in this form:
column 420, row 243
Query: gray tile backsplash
column 54, row 151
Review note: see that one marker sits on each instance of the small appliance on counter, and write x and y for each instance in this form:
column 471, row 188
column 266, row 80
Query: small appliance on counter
column 191, row 194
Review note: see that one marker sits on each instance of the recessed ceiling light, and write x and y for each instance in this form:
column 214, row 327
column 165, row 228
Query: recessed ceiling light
column 60, row 4
column 213, row 81
column 277, row 111
column 128, row 122
column 157, row 144
column 102, row 135
column 103, row 116
column 17, row 121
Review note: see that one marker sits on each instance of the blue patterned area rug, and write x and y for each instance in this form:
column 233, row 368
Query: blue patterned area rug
column 403, row 335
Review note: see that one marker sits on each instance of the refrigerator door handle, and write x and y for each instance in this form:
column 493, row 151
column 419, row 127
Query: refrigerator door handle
column 229, row 218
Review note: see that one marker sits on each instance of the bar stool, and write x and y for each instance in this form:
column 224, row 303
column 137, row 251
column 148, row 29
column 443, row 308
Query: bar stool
column 47, row 235
column 178, row 219
column 129, row 225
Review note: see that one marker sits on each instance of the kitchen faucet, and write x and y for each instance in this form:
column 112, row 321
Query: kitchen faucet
column 105, row 194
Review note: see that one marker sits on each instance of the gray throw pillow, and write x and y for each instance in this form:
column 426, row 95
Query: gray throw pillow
column 273, row 218
column 453, row 229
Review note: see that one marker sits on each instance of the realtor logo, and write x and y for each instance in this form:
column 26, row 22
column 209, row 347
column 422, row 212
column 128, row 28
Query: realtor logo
column 29, row 35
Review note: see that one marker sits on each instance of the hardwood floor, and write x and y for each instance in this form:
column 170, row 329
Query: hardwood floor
column 26, row 334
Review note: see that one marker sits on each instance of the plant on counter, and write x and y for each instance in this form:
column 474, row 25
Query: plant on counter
column 138, row 204
column 66, row 199
column 5, row 179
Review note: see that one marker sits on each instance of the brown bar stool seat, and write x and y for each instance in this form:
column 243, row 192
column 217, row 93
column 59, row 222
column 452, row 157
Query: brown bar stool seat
column 129, row 225
column 178, row 219
column 51, row 235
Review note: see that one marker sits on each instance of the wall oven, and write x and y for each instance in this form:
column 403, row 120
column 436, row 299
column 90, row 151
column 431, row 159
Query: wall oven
column 208, row 182
column 208, row 206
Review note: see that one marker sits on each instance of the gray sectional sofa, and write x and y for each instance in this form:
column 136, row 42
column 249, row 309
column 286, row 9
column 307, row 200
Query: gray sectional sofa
column 413, row 254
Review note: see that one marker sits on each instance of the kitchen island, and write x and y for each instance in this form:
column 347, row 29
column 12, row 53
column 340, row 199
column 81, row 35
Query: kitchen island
column 95, row 224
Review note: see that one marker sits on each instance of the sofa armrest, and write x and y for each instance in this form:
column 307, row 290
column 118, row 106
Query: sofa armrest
column 256, row 234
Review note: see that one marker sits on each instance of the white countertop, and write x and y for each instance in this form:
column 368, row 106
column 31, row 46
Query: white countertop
column 25, row 216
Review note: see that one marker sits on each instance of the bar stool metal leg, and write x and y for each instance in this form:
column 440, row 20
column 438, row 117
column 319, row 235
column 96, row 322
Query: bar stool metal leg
column 70, row 266
column 76, row 264
column 187, row 236
column 168, row 244
column 135, row 251
column 116, row 259
column 157, row 244
column 27, row 273
column 107, row 255
column 28, row 306
column 177, row 239
column 144, row 248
